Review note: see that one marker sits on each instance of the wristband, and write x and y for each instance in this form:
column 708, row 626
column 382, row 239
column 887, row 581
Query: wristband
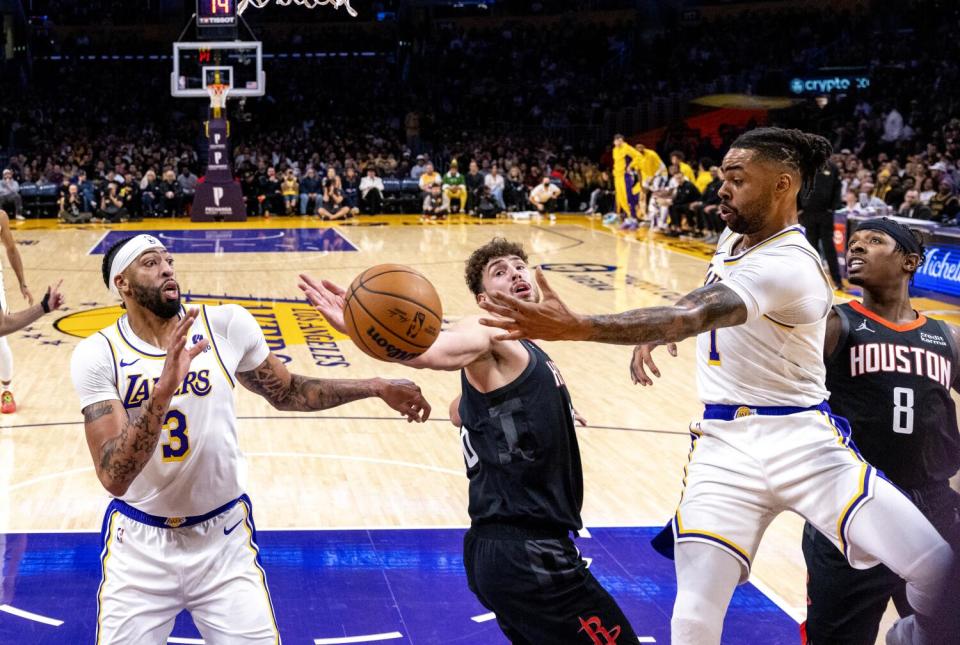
column 45, row 303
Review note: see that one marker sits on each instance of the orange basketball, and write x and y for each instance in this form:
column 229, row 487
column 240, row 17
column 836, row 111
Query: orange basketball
column 392, row 312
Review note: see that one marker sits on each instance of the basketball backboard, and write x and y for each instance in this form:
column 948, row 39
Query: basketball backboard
column 238, row 64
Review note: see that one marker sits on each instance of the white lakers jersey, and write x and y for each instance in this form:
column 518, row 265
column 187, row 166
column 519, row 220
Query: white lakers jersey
column 197, row 465
column 776, row 357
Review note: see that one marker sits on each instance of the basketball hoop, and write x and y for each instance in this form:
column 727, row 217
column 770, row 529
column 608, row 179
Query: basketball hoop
column 218, row 97
column 309, row 4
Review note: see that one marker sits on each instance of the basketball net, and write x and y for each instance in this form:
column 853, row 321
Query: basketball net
column 309, row 4
column 218, row 97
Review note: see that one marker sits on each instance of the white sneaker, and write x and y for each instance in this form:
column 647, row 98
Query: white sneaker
column 21, row 218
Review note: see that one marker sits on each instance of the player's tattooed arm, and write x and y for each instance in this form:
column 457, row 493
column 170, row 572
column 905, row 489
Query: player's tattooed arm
column 709, row 307
column 293, row 392
column 121, row 447
column 119, row 455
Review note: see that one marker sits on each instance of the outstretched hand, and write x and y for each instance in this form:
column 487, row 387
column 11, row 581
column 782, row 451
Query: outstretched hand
column 327, row 298
column 53, row 299
column 549, row 319
column 179, row 356
column 643, row 355
column 405, row 397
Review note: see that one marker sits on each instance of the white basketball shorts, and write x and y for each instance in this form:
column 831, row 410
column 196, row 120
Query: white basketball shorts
column 211, row 568
column 744, row 471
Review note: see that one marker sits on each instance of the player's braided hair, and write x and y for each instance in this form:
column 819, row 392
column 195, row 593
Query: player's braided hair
column 804, row 152
column 498, row 247
column 108, row 259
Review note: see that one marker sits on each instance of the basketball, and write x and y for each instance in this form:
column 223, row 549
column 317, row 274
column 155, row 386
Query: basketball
column 392, row 313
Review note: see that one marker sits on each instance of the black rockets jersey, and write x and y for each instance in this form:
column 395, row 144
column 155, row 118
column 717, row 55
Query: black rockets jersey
column 892, row 382
column 520, row 448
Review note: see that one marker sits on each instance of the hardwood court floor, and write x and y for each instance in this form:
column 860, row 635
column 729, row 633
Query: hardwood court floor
column 358, row 465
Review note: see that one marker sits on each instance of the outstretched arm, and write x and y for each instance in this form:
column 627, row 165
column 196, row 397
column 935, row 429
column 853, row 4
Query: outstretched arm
column 454, row 348
column 709, row 307
column 286, row 391
column 52, row 300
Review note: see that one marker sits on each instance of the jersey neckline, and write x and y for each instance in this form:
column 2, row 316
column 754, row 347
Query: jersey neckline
column 733, row 258
column 136, row 343
column 910, row 326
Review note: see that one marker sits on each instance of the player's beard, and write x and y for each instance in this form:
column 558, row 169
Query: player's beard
column 152, row 299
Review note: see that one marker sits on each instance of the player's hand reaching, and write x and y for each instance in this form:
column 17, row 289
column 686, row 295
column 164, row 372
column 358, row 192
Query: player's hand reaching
column 405, row 397
column 52, row 300
column 179, row 356
column 549, row 319
column 25, row 292
column 327, row 298
column 643, row 355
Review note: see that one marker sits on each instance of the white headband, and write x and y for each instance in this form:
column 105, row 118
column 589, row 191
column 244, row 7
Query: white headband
column 129, row 252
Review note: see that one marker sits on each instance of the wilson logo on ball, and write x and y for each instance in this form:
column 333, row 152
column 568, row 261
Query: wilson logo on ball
column 392, row 351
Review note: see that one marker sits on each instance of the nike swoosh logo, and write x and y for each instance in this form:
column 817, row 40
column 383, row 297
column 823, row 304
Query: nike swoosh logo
column 227, row 531
column 123, row 364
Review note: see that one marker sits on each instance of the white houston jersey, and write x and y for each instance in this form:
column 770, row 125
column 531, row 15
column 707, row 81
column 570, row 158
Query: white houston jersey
column 197, row 465
column 775, row 358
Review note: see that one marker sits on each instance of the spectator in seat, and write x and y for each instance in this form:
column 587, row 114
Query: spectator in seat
column 188, row 185
column 418, row 168
column 371, row 192
column 310, row 191
column 429, row 178
column 333, row 206
column 913, row 208
column 131, row 198
column 271, row 195
column 455, row 188
column 708, row 208
column 351, row 190
column 86, row 189
column 515, row 192
column 494, row 181
column 869, row 202
column 474, row 182
column 895, row 193
column 149, row 194
column 250, row 188
column 10, row 195
column 602, row 196
column 544, row 196
column 111, row 206
column 568, row 191
column 928, row 188
column 290, row 189
column 685, row 195
column 944, row 203
column 436, row 205
column 171, row 199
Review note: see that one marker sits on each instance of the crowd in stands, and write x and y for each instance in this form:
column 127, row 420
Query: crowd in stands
column 130, row 150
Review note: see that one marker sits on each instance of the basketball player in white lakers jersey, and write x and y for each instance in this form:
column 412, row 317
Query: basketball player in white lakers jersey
column 156, row 390
column 767, row 442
